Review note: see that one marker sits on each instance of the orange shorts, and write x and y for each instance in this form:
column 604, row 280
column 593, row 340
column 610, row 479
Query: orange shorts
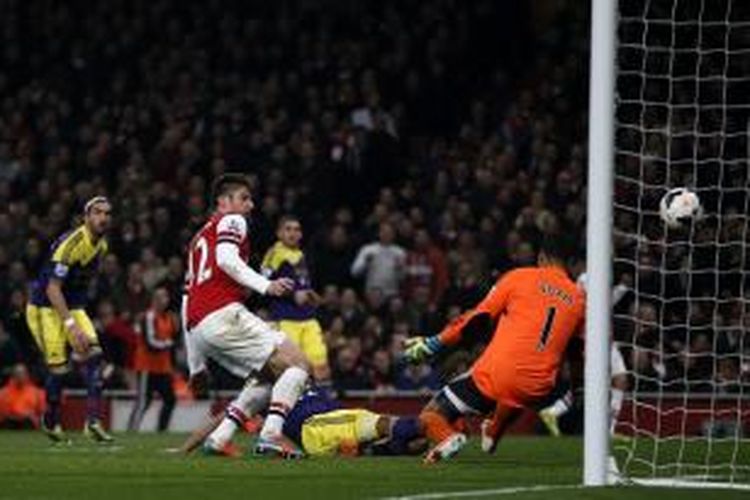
column 510, row 389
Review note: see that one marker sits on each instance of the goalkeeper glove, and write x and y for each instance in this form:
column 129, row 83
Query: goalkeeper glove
column 419, row 348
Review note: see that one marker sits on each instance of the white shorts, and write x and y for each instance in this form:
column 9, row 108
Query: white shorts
column 616, row 362
column 236, row 339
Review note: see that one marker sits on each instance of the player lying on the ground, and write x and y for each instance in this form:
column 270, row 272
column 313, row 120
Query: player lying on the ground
column 534, row 312
column 322, row 427
column 618, row 373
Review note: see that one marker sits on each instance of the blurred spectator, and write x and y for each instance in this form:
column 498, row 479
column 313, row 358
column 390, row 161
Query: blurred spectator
column 332, row 257
column 351, row 311
column 109, row 282
column 381, row 373
column 154, row 270
column 348, row 373
column 465, row 289
column 727, row 379
column 10, row 352
column 426, row 267
column 468, row 253
column 155, row 340
column 136, row 294
column 382, row 263
column 21, row 342
column 419, row 377
column 174, row 281
column 21, row 402
column 118, row 339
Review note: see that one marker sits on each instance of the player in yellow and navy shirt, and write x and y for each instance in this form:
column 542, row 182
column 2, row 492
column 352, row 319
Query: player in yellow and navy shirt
column 321, row 426
column 57, row 317
column 295, row 313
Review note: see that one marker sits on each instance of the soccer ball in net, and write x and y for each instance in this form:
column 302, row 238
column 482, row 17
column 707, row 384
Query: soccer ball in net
column 679, row 206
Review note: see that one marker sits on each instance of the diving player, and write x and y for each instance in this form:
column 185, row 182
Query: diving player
column 533, row 312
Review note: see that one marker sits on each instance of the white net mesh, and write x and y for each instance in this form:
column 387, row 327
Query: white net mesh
column 683, row 102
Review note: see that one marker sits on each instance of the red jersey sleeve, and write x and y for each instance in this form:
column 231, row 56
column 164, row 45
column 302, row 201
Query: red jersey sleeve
column 231, row 228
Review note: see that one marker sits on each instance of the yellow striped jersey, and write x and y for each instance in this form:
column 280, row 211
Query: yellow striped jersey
column 73, row 259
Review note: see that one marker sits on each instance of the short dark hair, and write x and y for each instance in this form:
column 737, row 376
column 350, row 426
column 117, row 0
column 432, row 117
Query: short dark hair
column 552, row 246
column 287, row 218
column 226, row 183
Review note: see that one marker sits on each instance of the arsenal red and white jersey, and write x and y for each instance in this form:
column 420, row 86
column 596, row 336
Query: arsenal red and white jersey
column 207, row 286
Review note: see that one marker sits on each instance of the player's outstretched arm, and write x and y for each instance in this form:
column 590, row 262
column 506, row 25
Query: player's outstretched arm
column 483, row 316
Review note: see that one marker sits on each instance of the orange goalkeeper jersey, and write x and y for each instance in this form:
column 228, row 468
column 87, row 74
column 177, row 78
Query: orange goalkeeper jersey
column 534, row 312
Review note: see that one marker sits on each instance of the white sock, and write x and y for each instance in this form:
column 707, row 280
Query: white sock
column 284, row 395
column 251, row 399
column 615, row 404
column 561, row 406
column 223, row 433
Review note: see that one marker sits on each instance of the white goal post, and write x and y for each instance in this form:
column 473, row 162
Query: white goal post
column 599, row 241
column 669, row 106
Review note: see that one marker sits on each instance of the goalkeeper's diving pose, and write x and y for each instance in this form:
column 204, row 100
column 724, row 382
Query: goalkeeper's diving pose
column 533, row 312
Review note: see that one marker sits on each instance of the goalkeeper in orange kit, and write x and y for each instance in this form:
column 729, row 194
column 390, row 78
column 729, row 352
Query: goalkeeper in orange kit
column 533, row 312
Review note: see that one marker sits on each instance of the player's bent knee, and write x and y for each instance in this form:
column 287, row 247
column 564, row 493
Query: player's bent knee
column 295, row 357
column 285, row 356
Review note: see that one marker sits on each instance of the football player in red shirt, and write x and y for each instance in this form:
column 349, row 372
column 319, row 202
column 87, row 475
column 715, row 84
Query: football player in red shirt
column 220, row 327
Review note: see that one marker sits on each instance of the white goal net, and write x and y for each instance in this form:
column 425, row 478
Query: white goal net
column 682, row 107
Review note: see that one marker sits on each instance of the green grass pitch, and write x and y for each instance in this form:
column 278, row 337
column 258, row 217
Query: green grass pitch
column 138, row 467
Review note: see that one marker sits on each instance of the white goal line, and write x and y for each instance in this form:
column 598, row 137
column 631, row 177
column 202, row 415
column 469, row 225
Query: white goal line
column 485, row 493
